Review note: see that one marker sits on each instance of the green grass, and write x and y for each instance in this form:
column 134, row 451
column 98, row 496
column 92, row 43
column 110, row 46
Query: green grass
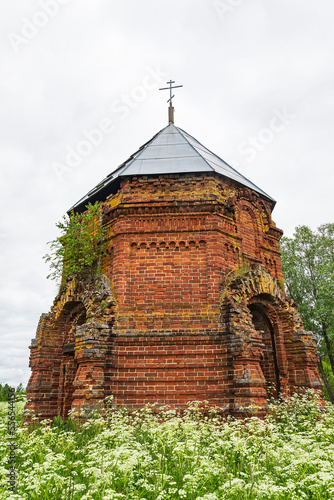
column 161, row 456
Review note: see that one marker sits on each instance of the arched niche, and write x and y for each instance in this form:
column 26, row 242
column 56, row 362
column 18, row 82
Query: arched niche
column 253, row 317
column 248, row 231
column 264, row 339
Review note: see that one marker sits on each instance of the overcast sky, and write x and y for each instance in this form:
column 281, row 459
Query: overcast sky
column 79, row 94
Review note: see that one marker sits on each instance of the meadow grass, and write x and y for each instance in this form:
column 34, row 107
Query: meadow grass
column 159, row 454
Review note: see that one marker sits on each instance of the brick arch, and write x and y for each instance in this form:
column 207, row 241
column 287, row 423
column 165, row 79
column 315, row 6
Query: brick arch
column 81, row 312
column 253, row 200
column 294, row 349
column 252, row 283
column 96, row 297
column 52, row 360
column 73, row 314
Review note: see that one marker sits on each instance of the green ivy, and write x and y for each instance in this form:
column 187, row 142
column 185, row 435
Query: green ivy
column 79, row 248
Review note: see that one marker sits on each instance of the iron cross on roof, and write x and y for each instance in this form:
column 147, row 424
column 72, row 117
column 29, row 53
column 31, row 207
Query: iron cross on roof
column 170, row 83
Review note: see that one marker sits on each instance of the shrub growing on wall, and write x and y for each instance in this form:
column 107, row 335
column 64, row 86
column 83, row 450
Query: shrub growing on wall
column 80, row 245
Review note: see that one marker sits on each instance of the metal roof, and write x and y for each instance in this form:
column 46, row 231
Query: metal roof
column 170, row 151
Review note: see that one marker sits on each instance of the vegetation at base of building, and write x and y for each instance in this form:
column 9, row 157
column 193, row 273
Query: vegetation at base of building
column 308, row 269
column 159, row 454
column 5, row 391
column 80, row 246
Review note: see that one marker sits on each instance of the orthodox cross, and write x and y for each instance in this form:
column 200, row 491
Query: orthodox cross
column 170, row 83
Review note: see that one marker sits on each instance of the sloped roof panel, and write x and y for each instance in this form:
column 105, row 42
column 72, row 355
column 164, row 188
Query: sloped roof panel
column 171, row 137
column 175, row 165
column 171, row 151
column 168, row 151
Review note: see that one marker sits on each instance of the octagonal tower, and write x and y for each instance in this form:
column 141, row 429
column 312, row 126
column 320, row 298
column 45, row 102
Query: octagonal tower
column 190, row 304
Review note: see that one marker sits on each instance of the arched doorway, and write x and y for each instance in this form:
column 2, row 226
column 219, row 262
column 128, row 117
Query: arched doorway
column 269, row 363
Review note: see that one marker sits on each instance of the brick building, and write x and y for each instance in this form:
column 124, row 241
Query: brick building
column 190, row 305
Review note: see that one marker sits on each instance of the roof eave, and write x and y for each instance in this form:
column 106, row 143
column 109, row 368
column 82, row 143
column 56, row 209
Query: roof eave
column 113, row 186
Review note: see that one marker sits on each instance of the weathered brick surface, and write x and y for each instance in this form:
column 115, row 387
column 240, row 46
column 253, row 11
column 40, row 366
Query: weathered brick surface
column 190, row 306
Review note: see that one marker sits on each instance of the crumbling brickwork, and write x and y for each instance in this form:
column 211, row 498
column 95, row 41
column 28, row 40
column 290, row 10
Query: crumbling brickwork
column 190, row 306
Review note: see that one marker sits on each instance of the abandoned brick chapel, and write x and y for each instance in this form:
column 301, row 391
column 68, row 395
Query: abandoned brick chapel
column 190, row 304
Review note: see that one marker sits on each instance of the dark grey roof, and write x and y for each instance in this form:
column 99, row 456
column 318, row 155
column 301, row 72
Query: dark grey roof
column 170, row 151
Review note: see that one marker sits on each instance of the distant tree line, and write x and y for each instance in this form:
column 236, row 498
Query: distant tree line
column 5, row 390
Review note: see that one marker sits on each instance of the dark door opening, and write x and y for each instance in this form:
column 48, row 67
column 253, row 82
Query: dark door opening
column 269, row 364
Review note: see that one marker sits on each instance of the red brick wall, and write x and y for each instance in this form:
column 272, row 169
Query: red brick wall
column 168, row 272
column 166, row 370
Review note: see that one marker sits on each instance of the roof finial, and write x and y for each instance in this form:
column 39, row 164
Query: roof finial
column 171, row 109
